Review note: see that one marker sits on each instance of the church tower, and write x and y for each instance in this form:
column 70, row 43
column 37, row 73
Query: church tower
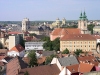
column 58, row 22
column 82, row 22
column 25, row 24
column 63, row 21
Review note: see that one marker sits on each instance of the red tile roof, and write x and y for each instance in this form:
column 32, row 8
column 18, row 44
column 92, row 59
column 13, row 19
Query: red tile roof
column 14, row 32
column 96, row 36
column 81, row 68
column 17, row 48
column 73, row 68
column 51, row 69
column 28, row 38
column 77, row 37
column 84, row 67
column 88, row 59
column 41, row 60
column 63, row 31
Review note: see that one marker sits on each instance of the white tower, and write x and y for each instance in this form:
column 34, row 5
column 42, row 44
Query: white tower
column 63, row 21
column 58, row 22
column 25, row 24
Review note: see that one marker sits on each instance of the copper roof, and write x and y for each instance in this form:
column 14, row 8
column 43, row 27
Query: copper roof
column 77, row 37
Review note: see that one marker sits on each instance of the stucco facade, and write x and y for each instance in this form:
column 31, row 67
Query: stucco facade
column 75, row 44
column 13, row 41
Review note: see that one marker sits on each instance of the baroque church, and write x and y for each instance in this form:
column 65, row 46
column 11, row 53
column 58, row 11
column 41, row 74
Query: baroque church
column 58, row 23
column 82, row 23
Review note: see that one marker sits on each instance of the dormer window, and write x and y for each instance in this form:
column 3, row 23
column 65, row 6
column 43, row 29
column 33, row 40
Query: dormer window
column 73, row 70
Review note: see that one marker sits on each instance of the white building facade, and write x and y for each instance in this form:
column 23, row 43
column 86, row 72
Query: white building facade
column 34, row 46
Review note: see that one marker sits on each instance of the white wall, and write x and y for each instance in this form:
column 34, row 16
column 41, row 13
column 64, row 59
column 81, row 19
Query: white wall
column 34, row 45
column 98, row 40
column 14, row 53
column 55, row 61
column 65, row 71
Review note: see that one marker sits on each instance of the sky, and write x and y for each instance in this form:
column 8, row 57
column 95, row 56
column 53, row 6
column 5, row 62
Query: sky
column 16, row 10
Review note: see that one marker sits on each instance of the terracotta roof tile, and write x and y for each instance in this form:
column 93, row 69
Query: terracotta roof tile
column 26, row 60
column 73, row 68
column 84, row 67
column 77, row 37
column 14, row 32
column 96, row 36
column 51, row 69
column 81, row 68
column 88, row 59
column 41, row 60
column 17, row 48
column 28, row 38
column 63, row 31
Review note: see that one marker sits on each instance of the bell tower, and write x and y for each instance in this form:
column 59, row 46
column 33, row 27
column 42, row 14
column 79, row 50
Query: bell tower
column 82, row 22
column 25, row 24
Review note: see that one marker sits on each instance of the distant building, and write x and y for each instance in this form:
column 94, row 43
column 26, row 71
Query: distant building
column 25, row 24
column 40, row 30
column 96, row 30
column 58, row 23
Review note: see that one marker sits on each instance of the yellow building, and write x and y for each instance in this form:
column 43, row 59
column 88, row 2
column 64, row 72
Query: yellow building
column 96, row 30
column 78, row 41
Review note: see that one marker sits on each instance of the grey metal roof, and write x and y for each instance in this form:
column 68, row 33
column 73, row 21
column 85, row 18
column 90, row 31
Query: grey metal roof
column 48, row 53
column 39, row 28
column 67, row 61
column 16, row 28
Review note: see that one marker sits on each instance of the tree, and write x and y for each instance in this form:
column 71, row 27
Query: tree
column 78, row 51
column 56, row 44
column 26, row 73
column 52, row 45
column 32, row 34
column 90, row 28
column 33, row 59
column 66, row 51
column 48, row 45
column 49, row 59
column 45, row 38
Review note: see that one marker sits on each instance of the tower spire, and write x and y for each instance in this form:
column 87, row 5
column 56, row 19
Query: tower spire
column 80, row 15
